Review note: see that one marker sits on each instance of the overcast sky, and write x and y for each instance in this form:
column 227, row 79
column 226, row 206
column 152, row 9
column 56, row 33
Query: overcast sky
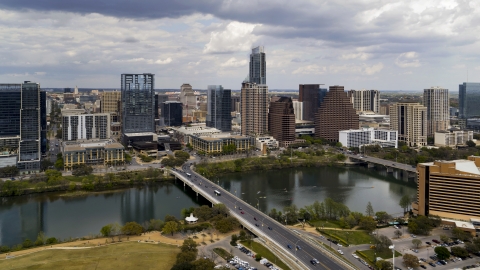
column 372, row 44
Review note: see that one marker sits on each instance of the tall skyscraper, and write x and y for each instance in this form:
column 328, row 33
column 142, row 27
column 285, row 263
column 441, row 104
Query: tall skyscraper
column 298, row 109
column 410, row 120
column 219, row 106
column 10, row 106
column 281, row 120
column 188, row 99
column 311, row 96
column 138, row 102
column 258, row 66
column 172, row 113
column 254, row 109
column 437, row 103
column 336, row 113
column 43, row 122
column 365, row 100
column 110, row 102
column 159, row 100
column 469, row 100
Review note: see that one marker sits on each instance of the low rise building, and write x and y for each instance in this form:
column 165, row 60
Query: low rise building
column 103, row 152
column 453, row 137
column 368, row 136
column 263, row 142
column 214, row 144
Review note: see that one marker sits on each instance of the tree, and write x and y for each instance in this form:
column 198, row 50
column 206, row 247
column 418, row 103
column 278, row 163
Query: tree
column 368, row 223
column 470, row 143
column 410, row 260
column 416, row 243
column 27, row 243
column 170, row 227
column 420, row 225
column 82, row 169
column 203, row 264
column 435, row 220
column 132, row 228
column 106, row 230
column 382, row 242
column 472, row 248
column 170, row 218
column 398, row 233
column 459, row 252
column 461, row 234
column 405, row 202
column 445, row 238
column 442, row 253
column 369, row 211
column 189, row 245
column 40, row 239
column 384, row 265
column 51, row 241
column 382, row 216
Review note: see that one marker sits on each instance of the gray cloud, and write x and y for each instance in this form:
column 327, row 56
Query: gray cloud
column 130, row 40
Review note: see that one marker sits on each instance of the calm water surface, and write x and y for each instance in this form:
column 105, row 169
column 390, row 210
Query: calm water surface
column 62, row 217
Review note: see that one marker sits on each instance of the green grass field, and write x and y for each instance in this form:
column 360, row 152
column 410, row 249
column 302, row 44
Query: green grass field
column 119, row 256
column 370, row 254
column 351, row 237
column 260, row 249
column 325, row 223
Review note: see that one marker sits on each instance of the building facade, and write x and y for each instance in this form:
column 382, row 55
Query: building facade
column 92, row 153
column 85, row 126
column 298, row 109
column 335, row 113
column 258, row 66
column 159, row 100
column 235, row 103
column 254, row 109
column 468, row 100
column 138, row 102
column 368, row 136
column 281, row 120
column 311, row 96
column 365, row 100
column 219, row 102
column 215, row 144
column 110, row 102
column 410, row 120
column 452, row 137
column 449, row 189
column 437, row 103
column 188, row 99
column 172, row 113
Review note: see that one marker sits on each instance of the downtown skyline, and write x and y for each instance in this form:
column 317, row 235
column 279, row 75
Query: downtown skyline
column 363, row 44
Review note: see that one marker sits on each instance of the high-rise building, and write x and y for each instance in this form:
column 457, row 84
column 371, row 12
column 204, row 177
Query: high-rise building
column 281, row 120
column 30, row 128
column 410, row 120
column 188, row 99
column 43, row 122
column 365, row 100
column 110, row 102
column 75, row 91
column 85, row 126
column 235, row 103
column 219, row 107
column 10, row 106
column 254, row 109
column 468, row 100
column 336, row 113
column 258, row 66
column 172, row 113
column 298, row 109
column 67, row 90
column 437, row 103
column 311, row 96
column 159, row 100
column 137, row 103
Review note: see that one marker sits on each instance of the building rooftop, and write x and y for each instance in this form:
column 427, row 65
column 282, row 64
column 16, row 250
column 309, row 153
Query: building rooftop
column 114, row 146
column 72, row 148
column 463, row 165
column 135, row 134
column 461, row 224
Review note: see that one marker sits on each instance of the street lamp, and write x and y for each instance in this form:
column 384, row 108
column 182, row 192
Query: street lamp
column 392, row 247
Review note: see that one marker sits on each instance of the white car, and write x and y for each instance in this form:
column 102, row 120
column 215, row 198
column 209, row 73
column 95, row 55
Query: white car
column 339, row 251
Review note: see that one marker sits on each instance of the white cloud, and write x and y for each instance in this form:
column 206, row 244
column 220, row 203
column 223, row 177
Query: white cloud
column 233, row 62
column 310, row 70
column 40, row 73
column 408, row 59
column 235, row 37
column 360, row 55
column 164, row 62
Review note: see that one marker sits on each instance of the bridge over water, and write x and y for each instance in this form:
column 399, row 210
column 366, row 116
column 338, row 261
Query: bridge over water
column 390, row 165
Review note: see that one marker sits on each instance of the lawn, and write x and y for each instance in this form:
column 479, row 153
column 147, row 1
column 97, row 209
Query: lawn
column 120, row 256
column 223, row 253
column 350, row 237
column 370, row 254
column 325, row 223
column 265, row 253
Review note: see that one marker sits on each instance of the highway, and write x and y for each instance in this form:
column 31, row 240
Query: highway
column 270, row 228
column 384, row 162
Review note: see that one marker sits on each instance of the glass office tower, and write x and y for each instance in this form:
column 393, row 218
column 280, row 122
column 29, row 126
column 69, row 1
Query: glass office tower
column 258, row 66
column 469, row 100
column 219, row 106
column 138, row 102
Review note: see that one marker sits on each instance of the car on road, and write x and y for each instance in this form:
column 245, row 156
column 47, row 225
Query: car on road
column 428, row 243
column 340, row 251
column 270, row 228
column 256, row 224
column 289, row 246
column 239, row 208
column 241, row 212
column 314, row 261
column 413, row 235
column 299, row 248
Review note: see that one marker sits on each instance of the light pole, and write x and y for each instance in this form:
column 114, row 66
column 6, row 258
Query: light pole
column 392, row 247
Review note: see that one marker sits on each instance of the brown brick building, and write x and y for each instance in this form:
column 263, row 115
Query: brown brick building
column 281, row 120
column 336, row 113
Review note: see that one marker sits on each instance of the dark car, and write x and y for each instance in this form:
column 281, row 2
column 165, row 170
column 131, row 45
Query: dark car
column 423, row 266
column 242, row 212
column 428, row 243
column 270, row 228
column 256, row 224
column 289, row 246
column 299, row 248
column 435, row 241
column 254, row 218
column 239, row 208
column 432, row 264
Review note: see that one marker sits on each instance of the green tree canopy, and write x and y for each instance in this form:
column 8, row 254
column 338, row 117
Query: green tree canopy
column 459, row 252
column 384, row 265
column 442, row 253
column 369, row 211
column 132, row 228
column 416, row 243
column 410, row 260
column 170, row 227
column 405, row 202
column 203, row 264
column 106, row 230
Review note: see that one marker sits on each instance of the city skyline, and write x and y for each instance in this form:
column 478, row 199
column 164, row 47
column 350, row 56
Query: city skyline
column 373, row 45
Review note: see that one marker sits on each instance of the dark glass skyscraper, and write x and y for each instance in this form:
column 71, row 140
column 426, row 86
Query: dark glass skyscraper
column 138, row 102
column 311, row 95
column 258, row 66
column 43, row 122
column 159, row 100
column 219, row 106
column 172, row 112
column 469, row 100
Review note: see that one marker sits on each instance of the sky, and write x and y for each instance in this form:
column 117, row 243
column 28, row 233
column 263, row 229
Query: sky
column 360, row 44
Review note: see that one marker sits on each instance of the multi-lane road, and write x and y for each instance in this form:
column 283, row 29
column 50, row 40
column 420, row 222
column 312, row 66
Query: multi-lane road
column 384, row 162
column 258, row 221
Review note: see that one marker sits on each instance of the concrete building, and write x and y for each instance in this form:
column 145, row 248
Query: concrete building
column 102, row 152
column 410, row 120
column 159, row 100
column 298, row 109
column 368, row 136
column 219, row 102
column 281, row 120
column 335, row 113
column 266, row 142
column 437, row 103
column 258, row 66
column 469, row 100
column 111, row 103
column 311, row 96
column 69, row 98
column 385, row 109
column 254, row 109
column 449, row 189
column 235, row 104
column 370, row 119
column 214, row 144
column 85, row 126
column 188, row 99
column 453, row 137
column 172, row 113
column 365, row 100
column 138, row 100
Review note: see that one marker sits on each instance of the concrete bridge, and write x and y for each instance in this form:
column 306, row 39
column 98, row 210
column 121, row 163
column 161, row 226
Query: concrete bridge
column 296, row 252
column 389, row 165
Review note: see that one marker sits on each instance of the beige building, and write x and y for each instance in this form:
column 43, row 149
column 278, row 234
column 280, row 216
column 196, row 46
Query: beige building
column 188, row 99
column 449, row 189
column 254, row 109
column 214, row 144
column 453, row 137
column 438, row 111
column 110, row 102
column 365, row 100
column 92, row 153
column 410, row 120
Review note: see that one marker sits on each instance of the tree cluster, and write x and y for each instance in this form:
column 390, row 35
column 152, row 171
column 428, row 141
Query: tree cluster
column 187, row 258
column 423, row 225
column 177, row 160
column 9, row 171
column 82, row 169
column 229, row 149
